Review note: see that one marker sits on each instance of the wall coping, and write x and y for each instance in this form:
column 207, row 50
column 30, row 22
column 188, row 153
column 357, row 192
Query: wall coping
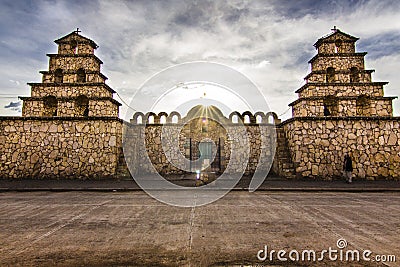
column 340, row 98
column 75, row 55
column 66, row 99
column 352, row 118
column 356, row 54
column 17, row 118
column 305, row 86
column 341, row 71
column 182, row 124
column 71, row 84
column 74, row 72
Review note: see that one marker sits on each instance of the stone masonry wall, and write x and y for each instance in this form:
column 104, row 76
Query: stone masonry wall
column 68, row 108
column 74, row 62
column 81, row 48
column 342, row 62
column 143, row 140
column 68, row 90
column 342, row 90
column 51, row 148
column 345, row 107
column 344, row 77
column 72, row 77
column 330, row 48
column 318, row 146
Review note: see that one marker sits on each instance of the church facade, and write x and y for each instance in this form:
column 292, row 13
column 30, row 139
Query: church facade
column 70, row 126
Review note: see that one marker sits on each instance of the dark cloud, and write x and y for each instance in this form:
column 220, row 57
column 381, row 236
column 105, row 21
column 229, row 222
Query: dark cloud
column 271, row 41
column 301, row 8
column 13, row 105
column 381, row 44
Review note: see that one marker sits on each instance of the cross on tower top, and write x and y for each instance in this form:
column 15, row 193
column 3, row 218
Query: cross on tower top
column 77, row 31
column 334, row 29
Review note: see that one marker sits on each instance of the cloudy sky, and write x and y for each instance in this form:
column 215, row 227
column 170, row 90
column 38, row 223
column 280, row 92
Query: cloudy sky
column 268, row 41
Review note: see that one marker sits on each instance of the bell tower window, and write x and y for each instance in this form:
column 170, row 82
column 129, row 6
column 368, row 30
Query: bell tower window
column 58, row 76
column 80, row 76
column 354, row 77
column 74, row 47
column 330, row 105
column 82, row 106
column 363, row 105
column 50, row 104
column 330, row 75
column 338, row 45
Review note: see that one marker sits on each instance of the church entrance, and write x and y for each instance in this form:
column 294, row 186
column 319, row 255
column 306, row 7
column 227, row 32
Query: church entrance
column 204, row 151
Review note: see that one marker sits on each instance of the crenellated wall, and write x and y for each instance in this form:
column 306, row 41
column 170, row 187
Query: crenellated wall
column 254, row 142
column 136, row 150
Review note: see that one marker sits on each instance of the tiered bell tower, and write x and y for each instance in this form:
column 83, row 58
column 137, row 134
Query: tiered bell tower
column 339, row 85
column 73, row 86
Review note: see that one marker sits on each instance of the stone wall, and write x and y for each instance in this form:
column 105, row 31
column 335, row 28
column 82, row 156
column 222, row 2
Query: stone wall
column 345, row 107
column 142, row 141
column 338, row 61
column 71, row 90
column 72, row 77
column 67, row 108
column 78, row 48
column 342, row 76
column 53, row 148
column 74, row 62
column 375, row 89
column 318, row 146
column 330, row 47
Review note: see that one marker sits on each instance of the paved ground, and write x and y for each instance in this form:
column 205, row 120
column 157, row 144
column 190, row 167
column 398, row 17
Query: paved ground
column 132, row 229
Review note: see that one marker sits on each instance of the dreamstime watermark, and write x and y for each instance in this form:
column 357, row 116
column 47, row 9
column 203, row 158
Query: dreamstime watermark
column 339, row 253
column 213, row 87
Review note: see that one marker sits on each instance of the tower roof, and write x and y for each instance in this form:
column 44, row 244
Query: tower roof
column 334, row 36
column 76, row 37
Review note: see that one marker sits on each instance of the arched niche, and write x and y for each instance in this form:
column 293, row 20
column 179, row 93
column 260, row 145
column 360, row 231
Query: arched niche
column 248, row 117
column 163, row 117
column 260, row 117
column 234, row 117
column 137, row 118
column 272, row 118
column 174, row 117
column 152, row 118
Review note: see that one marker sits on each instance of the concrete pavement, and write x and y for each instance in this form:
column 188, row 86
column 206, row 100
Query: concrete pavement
column 132, row 229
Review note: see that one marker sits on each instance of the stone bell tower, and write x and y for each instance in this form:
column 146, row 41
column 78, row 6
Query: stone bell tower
column 339, row 85
column 73, row 86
